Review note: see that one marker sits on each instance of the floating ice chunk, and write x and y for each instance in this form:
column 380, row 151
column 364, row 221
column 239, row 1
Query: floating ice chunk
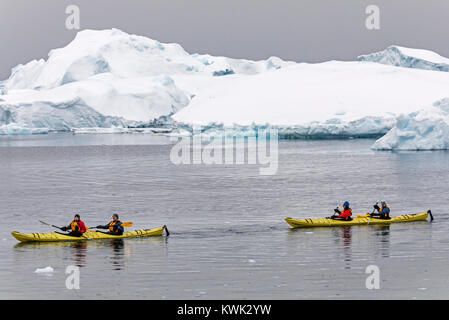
column 44, row 270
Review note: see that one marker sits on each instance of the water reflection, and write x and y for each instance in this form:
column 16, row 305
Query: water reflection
column 343, row 236
column 118, row 246
column 383, row 234
column 79, row 253
column 78, row 250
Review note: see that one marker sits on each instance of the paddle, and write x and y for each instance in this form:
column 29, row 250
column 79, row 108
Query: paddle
column 124, row 224
column 367, row 214
column 334, row 215
column 51, row 225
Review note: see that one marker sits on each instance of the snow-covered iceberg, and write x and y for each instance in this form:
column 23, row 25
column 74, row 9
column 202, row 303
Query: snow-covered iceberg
column 111, row 81
column 100, row 101
column 123, row 55
column 408, row 58
column 426, row 129
column 326, row 99
column 108, row 78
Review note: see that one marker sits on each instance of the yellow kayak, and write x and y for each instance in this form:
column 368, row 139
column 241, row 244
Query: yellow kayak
column 89, row 235
column 327, row 222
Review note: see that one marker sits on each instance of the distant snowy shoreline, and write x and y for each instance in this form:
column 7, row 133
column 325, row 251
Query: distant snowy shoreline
column 108, row 81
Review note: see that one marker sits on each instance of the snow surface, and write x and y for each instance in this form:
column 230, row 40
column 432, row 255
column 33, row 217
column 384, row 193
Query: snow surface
column 108, row 81
column 426, row 129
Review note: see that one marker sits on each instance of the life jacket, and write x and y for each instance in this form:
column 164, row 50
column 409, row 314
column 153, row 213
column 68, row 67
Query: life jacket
column 385, row 215
column 112, row 224
column 77, row 226
column 346, row 214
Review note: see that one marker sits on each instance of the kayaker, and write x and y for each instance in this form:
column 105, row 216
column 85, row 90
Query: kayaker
column 343, row 215
column 115, row 226
column 382, row 212
column 76, row 227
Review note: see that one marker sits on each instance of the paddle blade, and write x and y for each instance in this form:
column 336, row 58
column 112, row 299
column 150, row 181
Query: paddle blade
column 47, row 224
column 127, row 224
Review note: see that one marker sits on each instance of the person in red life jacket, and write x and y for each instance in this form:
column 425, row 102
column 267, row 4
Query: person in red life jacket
column 115, row 226
column 76, row 227
column 343, row 215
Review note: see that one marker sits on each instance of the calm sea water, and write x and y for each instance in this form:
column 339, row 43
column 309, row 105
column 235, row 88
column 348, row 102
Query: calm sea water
column 228, row 237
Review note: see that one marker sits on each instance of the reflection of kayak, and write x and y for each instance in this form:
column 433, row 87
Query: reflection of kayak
column 89, row 235
column 326, row 222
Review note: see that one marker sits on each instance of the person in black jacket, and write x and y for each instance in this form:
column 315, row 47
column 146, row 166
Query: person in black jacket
column 382, row 212
column 115, row 226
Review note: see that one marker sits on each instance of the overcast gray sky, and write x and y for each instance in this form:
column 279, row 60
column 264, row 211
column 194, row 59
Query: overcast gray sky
column 299, row 30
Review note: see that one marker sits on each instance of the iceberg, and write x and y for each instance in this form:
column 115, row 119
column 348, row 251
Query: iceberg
column 408, row 58
column 108, row 78
column 426, row 129
column 94, row 52
column 368, row 127
column 99, row 101
column 109, row 81
column 313, row 100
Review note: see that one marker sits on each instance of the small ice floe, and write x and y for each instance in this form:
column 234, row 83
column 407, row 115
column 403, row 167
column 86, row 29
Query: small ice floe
column 251, row 261
column 309, row 232
column 44, row 270
column 422, row 288
column 200, row 293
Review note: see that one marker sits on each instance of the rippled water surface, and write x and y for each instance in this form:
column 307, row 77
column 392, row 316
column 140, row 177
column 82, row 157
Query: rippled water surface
column 228, row 237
